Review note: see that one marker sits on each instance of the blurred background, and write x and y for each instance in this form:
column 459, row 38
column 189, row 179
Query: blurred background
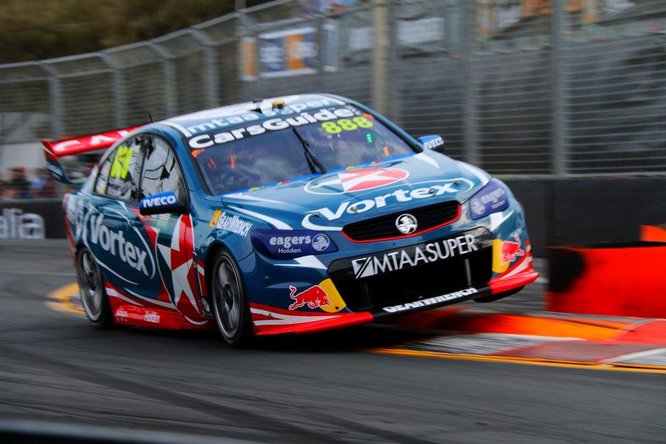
column 543, row 93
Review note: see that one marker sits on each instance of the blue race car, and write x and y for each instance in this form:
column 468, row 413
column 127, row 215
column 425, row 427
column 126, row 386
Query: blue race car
column 289, row 215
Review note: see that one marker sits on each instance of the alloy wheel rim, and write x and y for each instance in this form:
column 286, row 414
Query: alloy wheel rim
column 227, row 299
column 90, row 286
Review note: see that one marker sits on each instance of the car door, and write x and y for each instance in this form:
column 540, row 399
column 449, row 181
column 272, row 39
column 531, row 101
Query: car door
column 172, row 231
column 114, row 230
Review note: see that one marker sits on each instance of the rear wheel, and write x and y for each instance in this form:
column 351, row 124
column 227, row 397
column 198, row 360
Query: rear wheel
column 232, row 312
column 91, row 289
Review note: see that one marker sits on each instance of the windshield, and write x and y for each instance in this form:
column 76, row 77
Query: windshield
column 297, row 149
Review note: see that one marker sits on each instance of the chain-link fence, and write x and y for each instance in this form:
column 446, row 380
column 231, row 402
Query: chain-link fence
column 518, row 87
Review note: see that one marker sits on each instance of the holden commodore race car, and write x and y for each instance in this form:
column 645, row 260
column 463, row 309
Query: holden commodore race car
column 291, row 215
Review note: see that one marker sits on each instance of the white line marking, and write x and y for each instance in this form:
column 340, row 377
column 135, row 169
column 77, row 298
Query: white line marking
column 633, row 356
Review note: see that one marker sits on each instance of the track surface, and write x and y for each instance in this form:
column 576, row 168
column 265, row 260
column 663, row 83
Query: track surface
column 54, row 367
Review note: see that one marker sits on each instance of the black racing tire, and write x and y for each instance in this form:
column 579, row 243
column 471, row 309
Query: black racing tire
column 230, row 305
column 91, row 288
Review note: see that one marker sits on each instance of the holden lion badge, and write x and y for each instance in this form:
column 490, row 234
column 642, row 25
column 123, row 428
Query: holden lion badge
column 406, row 223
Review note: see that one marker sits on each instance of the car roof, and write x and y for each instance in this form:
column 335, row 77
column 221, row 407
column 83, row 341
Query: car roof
column 205, row 121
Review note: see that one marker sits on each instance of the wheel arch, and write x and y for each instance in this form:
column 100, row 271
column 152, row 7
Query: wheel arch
column 209, row 262
column 211, row 253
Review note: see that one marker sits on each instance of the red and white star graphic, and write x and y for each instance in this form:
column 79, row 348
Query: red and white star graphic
column 179, row 258
column 356, row 180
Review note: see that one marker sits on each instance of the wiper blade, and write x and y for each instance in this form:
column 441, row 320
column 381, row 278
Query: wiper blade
column 309, row 155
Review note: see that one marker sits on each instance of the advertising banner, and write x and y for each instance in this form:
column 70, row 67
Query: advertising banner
column 32, row 219
column 281, row 53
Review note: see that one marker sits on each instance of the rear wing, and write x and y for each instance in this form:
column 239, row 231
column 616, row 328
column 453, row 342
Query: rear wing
column 54, row 150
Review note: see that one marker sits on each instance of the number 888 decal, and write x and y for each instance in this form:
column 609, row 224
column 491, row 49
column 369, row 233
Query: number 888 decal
column 336, row 127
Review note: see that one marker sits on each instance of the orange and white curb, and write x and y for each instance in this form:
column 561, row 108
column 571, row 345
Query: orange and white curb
column 65, row 300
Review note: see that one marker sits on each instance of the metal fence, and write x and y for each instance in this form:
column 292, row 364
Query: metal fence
column 518, row 87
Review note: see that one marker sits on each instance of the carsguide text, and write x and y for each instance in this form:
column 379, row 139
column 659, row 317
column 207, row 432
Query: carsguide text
column 279, row 123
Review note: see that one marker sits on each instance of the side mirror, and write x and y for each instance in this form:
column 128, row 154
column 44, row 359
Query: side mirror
column 161, row 203
column 431, row 142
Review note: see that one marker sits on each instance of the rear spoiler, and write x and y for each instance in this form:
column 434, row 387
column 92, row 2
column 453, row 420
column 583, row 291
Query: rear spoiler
column 54, row 150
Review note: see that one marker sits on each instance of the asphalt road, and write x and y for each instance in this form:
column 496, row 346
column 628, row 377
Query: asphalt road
column 57, row 369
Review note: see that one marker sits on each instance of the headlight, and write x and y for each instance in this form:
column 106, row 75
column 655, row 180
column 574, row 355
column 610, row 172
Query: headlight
column 287, row 244
column 492, row 198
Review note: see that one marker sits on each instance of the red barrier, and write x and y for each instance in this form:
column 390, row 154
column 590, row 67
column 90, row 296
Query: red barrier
column 619, row 280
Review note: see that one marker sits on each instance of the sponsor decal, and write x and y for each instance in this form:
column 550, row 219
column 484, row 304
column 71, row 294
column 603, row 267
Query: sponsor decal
column 122, row 314
column 87, row 143
column 114, row 243
column 274, row 124
column 505, row 252
column 285, row 244
column 361, row 179
column 415, row 255
column 492, row 198
column 406, row 223
column 75, row 210
column 215, row 218
column 159, row 200
column 438, row 188
column 433, row 143
column 121, row 162
column 321, row 242
column 221, row 121
column 233, row 224
column 152, row 317
column 15, row 224
column 347, row 125
column 313, row 297
column 431, row 301
column 511, row 250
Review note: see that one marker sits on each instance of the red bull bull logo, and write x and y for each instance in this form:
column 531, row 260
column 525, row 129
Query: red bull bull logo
column 313, row 297
column 511, row 250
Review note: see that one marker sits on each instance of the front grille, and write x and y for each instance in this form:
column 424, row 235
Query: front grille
column 383, row 227
column 413, row 283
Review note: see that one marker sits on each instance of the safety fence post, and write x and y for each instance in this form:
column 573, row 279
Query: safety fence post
column 170, row 87
column 55, row 91
column 470, row 102
column 559, row 90
column 380, row 56
column 211, row 66
column 117, row 89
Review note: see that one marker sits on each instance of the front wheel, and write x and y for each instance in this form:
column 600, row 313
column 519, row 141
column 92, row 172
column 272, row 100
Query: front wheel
column 91, row 289
column 230, row 305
